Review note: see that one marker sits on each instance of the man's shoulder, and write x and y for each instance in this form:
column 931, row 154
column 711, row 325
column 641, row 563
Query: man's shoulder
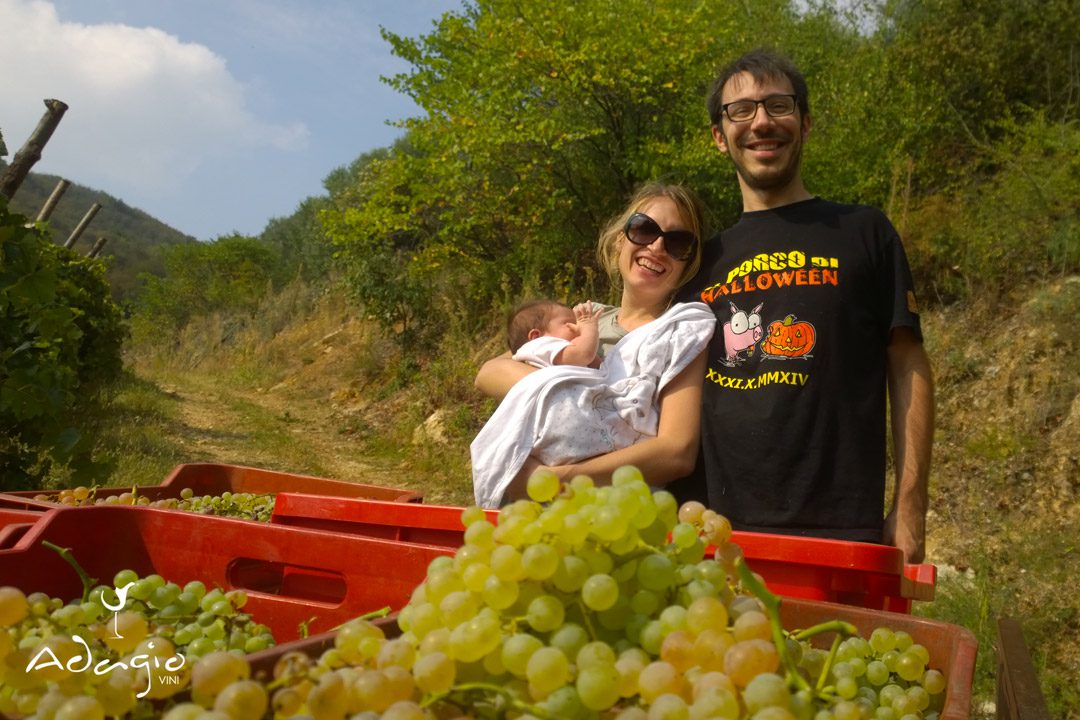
column 855, row 213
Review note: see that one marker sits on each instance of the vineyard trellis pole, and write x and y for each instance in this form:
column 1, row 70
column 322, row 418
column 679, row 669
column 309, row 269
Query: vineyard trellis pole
column 98, row 246
column 82, row 225
column 54, row 198
column 30, row 152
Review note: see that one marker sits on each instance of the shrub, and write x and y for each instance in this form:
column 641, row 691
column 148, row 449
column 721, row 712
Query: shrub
column 1017, row 219
column 60, row 344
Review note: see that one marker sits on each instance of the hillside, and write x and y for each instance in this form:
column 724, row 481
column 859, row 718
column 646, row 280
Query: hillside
column 135, row 238
column 308, row 398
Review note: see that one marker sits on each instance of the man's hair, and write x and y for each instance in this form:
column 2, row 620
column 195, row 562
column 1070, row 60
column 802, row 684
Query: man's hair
column 761, row 64
column 530, row 315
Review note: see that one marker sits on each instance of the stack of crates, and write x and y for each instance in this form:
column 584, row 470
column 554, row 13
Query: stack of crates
column 860, row 574
column 218, row 478
column 335, row 550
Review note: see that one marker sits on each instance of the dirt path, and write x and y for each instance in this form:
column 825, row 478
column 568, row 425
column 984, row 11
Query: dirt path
column 235, row 425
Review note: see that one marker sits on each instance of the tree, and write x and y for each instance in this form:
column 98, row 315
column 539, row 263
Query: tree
column 541, row 118
column 300, row 243
column 968, row 70
column 60, row 342
column 230, row 274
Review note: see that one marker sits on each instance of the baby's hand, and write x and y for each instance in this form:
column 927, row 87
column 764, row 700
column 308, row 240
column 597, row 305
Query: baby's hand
column 586, row 312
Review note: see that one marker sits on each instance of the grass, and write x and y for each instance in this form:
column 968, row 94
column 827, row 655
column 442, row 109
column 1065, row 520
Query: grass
column 323, row 395
column 326, row 391
column 138, row 435
column 1025, row 584
column 264, row 432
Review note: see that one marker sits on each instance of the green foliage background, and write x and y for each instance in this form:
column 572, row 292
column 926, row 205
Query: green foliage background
column 959, row 118
column 540, row 119
column 135, row 239
column 60, row 343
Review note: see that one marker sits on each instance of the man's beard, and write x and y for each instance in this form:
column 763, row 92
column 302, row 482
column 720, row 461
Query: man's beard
column 771, row 178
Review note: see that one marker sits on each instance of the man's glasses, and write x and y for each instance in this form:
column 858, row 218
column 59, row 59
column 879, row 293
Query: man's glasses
column 642, row 230
column 775, row 105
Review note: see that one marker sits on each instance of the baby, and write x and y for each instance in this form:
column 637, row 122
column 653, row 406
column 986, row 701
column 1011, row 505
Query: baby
column 545, row 333
column 576, row 407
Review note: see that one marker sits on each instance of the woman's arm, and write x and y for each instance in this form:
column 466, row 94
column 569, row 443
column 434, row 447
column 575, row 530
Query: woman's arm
column 498, row 375
column 668, row 456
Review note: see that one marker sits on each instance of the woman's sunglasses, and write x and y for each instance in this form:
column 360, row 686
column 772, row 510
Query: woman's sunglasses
column 642, row 230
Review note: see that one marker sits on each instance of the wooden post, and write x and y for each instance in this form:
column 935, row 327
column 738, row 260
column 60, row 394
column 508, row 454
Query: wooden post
column 97, row 247
column 50, row 204
column 82, row 225
column 1018, row 693
column 30, row 152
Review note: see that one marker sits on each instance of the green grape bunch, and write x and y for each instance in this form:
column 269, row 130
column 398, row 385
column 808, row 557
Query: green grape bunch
column 247, row 506
column 585, row 603
column 95, row 656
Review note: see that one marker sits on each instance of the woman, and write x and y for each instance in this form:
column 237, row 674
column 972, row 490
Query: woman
column 649, row 251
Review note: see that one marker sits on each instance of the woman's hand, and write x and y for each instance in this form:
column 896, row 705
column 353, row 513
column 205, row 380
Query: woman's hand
column 516, row 490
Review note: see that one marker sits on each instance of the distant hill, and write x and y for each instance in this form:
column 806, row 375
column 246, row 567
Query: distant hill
column 135, row 239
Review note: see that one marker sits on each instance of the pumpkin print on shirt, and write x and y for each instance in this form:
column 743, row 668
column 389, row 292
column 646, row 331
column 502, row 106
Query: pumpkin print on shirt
column 789, row 338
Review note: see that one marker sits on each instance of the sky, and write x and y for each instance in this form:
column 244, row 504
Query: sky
column 214, row 116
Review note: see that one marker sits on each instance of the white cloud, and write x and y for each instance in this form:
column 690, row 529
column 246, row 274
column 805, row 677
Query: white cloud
column 146, row 109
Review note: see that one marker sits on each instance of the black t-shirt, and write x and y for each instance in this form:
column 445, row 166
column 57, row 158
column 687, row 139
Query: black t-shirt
column 793, row 407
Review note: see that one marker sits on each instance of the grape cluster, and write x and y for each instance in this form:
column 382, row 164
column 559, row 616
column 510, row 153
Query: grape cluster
column 248, row 506
column 586, row 603
column 83, row 660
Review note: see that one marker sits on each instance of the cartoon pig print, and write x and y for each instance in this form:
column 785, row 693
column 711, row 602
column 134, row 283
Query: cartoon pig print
column 741, row 333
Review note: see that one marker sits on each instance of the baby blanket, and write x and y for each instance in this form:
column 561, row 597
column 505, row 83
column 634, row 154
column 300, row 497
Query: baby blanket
column 566, row 413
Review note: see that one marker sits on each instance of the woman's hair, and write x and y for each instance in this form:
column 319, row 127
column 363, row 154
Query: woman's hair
column 530, row 315
column 690, row 209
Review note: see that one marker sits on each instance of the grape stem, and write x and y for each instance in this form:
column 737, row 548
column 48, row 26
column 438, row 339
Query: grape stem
column 511, row 703
column 836, row 626
column 87, row 582
column 380, row 613
column 839, row 627
column 585, row 618
column 303, row 629
column 828, row 665
column 772, row 609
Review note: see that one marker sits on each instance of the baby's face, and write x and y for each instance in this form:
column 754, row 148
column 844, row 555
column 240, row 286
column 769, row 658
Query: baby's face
column 561, row 324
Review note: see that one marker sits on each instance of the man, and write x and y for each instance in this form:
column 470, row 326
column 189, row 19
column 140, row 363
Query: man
column 816, row 318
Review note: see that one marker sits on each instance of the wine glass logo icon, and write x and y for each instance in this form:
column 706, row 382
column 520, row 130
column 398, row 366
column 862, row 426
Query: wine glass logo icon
column 121, row 594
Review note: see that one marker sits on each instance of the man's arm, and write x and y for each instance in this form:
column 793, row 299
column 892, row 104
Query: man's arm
column 911, row 402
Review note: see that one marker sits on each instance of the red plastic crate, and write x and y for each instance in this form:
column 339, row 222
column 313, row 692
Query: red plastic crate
column 291, row 575
column 214, row 479
column 851, row 573
column 424, row 524
column 952, row 648
column 14, row 524
column 262, row 662
column 859, row 574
